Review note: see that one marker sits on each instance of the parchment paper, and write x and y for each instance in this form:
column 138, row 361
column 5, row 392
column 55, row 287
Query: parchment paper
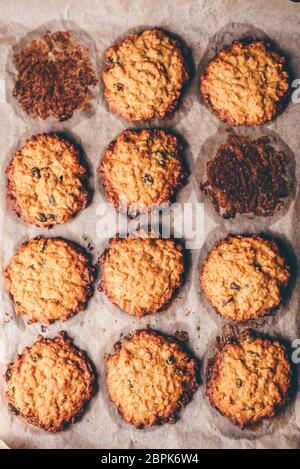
column 205, row 26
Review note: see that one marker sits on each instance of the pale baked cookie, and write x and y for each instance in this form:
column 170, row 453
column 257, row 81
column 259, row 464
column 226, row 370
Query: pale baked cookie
column 49, row 279
column 245, row 84
column 149, row 378
column 47, row 182
column 144, row 75
column 250, row 379
column 245, row 277
column 141, row 275
column 50, row 383
column 142, row 169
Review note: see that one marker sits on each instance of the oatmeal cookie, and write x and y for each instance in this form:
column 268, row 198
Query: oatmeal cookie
column 246, row 84
column 142, row 169
column 50, row 383
column 47, row 181
column 49, row 279
column 149, row 378
column 250, row 379
column 245, row 277
column 141, row 274
column 144, row 75
column 54, row 77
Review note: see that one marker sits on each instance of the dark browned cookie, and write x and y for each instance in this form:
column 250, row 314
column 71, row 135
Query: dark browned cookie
column 246, row 84
column 247, row 176
column 54, row 77
column 145, row 74
column 47, row 181
column 149, row 378
column 142, row 169
column 50, row 383
column 250, row 379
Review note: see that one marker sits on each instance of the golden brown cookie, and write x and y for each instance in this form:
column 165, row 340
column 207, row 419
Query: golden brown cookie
column 49, row 279
column 50, row 383
column 144, row 75
column 247, row 176
column 55, row 76
column 250, row 379
column 141, row 275
column 245, row 277
column 47, row 181
column 149, row 378
column 245, row 84
column 142, row 169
